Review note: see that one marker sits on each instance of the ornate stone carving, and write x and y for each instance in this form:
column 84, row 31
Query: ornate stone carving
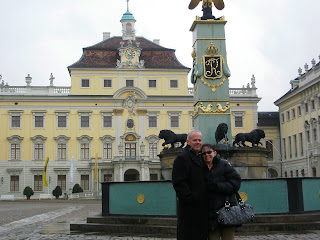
column 130, row 102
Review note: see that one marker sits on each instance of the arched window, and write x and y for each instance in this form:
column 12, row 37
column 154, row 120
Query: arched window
column 131, row 175
column 38, row 147
column 128, row 29
column 62, row 147
column 15, row 147
column 85, row 147
column 107, row 146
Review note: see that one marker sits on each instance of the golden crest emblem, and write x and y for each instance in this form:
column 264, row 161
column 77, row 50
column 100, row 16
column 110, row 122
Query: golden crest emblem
column 140, row 198
column 212, row 63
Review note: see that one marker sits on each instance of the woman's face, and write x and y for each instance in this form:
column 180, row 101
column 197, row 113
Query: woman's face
column 208, row 154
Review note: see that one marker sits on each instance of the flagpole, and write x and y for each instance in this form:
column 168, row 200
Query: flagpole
column 45, row 183
column 96, row 170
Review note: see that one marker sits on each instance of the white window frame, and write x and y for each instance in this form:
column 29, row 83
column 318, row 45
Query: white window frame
column 81, row 182
column 37, row 113
column 38, row 139
column 107, row 139
column 129, row 80
column 84, row 139
column 306, row 107
column 175, row 114
column 238, row 114
column 62, row 183
column 173, row 87
column 153, row 141
column 290, row 147
column 106, row 114
column 301, row 144
column 42, row 183
column 284, row 148
column 16, row 113
column 14, row 175
column 84, row 114
column 295, row 145
column 15, row 139
column 81, row 82
column 293, row 113
column 107, row 79
column 299, row 111
column 288, row 116
column 61, row 139
column 152, row 87
column 282, row 117
column 62, row 114
column 153, row 114
column 315, row 135
column 312, row 105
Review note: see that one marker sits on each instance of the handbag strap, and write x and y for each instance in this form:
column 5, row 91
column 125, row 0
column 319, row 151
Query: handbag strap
column 239, row 199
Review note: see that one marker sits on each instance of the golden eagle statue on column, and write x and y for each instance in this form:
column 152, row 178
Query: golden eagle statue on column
column 219, row 4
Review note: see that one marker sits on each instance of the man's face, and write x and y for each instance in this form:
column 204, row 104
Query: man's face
column 195, row 141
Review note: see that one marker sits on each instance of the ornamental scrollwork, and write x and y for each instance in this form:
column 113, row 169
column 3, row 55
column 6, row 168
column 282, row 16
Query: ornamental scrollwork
column 211, row 108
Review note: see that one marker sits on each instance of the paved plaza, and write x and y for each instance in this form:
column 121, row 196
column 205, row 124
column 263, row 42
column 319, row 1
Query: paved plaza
column 50, row 219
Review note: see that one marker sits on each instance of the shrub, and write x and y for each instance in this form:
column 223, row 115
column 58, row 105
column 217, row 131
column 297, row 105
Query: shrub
column 57, row 191
column 28, row 191
column 77, row 188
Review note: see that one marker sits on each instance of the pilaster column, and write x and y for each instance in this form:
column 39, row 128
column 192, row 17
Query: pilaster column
column 92, row 180
column 100, row 179
column 121, row 173
column 142, row 172
column 316, row 99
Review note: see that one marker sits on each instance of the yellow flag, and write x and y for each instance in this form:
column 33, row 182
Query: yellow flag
column 45, row 173
column 96, row 169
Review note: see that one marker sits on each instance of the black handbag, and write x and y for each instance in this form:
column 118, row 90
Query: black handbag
column 235, row 215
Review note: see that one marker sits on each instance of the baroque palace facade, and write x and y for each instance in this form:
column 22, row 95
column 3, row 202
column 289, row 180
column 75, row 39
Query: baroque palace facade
column 299, row 111
column 124, row 90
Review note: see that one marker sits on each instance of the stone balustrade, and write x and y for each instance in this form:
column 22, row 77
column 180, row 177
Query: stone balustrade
column 235, row 92
column 36, row 90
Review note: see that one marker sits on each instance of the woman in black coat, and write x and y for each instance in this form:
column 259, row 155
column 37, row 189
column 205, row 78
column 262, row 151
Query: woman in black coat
column 223, row 183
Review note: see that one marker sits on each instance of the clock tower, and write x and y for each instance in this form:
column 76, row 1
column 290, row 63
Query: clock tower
column 130, row 50
column 128, row 21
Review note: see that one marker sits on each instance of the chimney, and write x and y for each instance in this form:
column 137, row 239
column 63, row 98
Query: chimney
column 156, row 41
column 106, row 35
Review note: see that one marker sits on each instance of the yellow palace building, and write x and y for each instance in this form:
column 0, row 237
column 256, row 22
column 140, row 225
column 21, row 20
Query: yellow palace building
column 299, row 111
column 124, row 90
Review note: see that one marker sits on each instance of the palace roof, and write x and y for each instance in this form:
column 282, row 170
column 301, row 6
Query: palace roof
column 268, row 119
column 105, row 55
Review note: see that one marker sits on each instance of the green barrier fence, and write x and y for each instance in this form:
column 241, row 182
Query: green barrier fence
column 158, row 198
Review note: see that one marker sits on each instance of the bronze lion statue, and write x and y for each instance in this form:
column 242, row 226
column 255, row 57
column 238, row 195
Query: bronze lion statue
column 171, row 138
column 254, row 137
column 221, row 133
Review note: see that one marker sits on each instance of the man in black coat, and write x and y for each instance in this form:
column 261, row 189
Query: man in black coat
column 189, row 181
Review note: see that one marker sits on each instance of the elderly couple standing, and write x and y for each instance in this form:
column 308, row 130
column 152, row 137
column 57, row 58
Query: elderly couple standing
column 202, row 182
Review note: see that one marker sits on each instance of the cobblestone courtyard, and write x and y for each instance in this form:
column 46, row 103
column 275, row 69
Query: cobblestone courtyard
column 50, row 219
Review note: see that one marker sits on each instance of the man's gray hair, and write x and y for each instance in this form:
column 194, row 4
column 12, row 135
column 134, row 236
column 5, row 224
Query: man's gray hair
column 193, row 131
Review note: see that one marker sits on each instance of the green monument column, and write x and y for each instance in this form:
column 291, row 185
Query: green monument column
column 210, row 78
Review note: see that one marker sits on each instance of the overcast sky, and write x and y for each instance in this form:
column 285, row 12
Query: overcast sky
column 268, row 38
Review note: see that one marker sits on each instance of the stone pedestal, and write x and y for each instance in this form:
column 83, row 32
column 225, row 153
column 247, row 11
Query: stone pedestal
column 250, row 162
column 167, row 157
